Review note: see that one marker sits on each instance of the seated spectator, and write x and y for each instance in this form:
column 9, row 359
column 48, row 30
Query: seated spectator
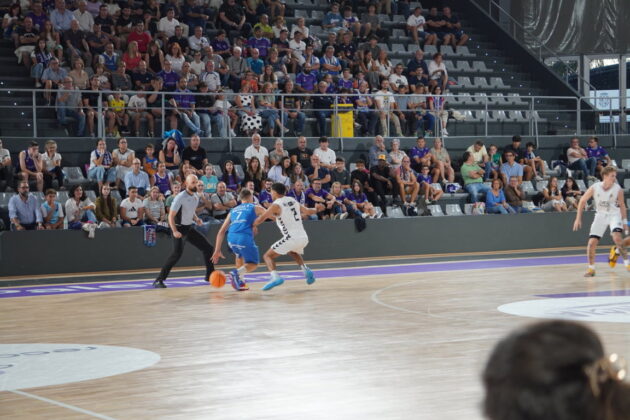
column 137, row 110
column 132, row 57
column 397, row 79
column 6, row 167
column 472, row 175
column 195, row 155
column 169, row 77
column 425, row 180
column 117, row 116
column 176, row 57
column 292, row 109
column 511, row 168
column 561, row 368
column 578, row 160
column 141, row 37
column 494, row 162
column 32, row 165
column 366, row 117
column 197, row 66
column 409, row 185
column 149, row 161
column 514, row 196
column 80, row 78
column 166, row 26
column 163, row 179
column 80, row 211
column 154, row 213
column 396, row 156
column 385, row 104
column 320, row 199
column 142, row 77
column 69, row 104
column 209, row 179
column 123, row 158
column 437, row 106
column 52, row 211
column 197, row 42
column 519, row 156
column 210, row 77
column 357, row 201
column 261, row 42
column 24, row 210
column 306, row 80
column 338, row 210
column 137, row 179
column 571, row 194
column 124, row 23
column 53, row 78
column 437, row 26
column 534, row 162
column 230, row 178
column 594, row 150
column 110, row 59
column 51, row 165
column 327, row 156
column 183, row 106
column 420, row 155
column 170, row 157
column 301, row 154
column 382, row 182
column 107, row 209
column 204, row 208
column 222, row 201
column 176, row 188
column 251, row 121
column 257, row 150
column 480, row 156
column 265, row 198
column 75, row 44
column 97, row 40
column 322, row 104
column 495, row 200
column 255, row 174
column 376, row 150
column 132, row 208
column 317, row 171
column 454, row 28
column 238, row 68
column 438, row 75
column 27, row 37
column 417, row 70
column 232, row 18
column 340, row 174
column 281, row 172
column 553, row 200
column 101, row 168
column 415, row 27
column 203, row 107
column 298, row 174
column 278, row 152
column 442, row 161
column 41, row 58
column 333, row 21
column 266, row 104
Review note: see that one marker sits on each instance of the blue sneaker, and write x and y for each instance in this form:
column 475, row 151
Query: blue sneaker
column 310, row 277
column 236, row 282
column 273, row 283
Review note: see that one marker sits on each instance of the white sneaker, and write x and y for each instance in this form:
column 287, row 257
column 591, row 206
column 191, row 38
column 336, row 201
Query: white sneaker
column 91, row 230
column 103, row 225
column 232, row 133
column 539, row 178
column 343, row 216
column 444, row 132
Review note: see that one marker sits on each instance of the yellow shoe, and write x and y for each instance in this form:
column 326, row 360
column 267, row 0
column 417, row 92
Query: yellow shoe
column 612, row 257
column 589, row 273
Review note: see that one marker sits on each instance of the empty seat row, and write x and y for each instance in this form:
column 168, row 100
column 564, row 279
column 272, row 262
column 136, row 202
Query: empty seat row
column 480, row 98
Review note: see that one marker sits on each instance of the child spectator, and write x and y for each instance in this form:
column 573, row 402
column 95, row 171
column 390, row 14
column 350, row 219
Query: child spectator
column 571, row 193
column 107, row 209
column 117, row 117
column 163, row 180
column 52, row 211
column 359, row 202
column 338, row 207
column 424, row 179
column 340, row 174
column 176, row 188
column 209, row 179
column 534, row 162
column 553, row 200
column 494, row 162
column 154, row 213
column 52, row 165
column 132, row 209
column 229, row 177
column 149, row 161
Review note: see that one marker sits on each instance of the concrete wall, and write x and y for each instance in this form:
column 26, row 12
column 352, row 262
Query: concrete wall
column 54, row 252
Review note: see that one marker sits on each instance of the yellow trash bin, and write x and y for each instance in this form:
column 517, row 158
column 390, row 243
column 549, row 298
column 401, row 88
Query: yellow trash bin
column 342, row 123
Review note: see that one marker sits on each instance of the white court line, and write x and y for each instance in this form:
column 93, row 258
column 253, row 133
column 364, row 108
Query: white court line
column 64, row 405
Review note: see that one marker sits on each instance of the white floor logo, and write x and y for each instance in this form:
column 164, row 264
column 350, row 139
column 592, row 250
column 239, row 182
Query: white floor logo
column 594, row 309
column 33, row 365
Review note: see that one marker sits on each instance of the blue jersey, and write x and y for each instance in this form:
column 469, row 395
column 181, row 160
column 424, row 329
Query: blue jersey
column 242, row 218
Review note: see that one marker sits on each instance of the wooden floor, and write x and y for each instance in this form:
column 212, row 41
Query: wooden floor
column 399, row 346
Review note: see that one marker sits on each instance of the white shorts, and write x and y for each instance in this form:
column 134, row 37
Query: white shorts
column 603, row 221
column 290, row 244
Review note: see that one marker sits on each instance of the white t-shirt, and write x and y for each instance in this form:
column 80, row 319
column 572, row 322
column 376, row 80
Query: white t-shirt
column 72, row 207
column 261, row 153
column 136, row 103
column 305, row 31
column 290, row 220
column 398, row 80
column 433, row 67
column 480, row 155
column 384, row 99
column 197, row 68
column 418, row 21
column 132, row 207
column 122, row 157
column 571, row 151
column 49, row 163
column 301, row 46
column 176, row 62
column 4, row 153
column 197, row 44
column 326, row 157
column 168, row 26
column 213, row 80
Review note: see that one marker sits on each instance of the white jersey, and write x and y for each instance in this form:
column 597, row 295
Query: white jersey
column 290, row 220
column 606, row 200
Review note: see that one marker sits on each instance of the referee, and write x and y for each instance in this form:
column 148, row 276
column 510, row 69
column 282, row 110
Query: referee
column 181, row 219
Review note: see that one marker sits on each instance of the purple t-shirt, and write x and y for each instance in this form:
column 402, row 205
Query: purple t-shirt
column 219, row 45
column 183, row 100
column 357, row 198
column 418, row 151
column 263, row 44
column 599, row 152
column 321, row 193
column 300, row 198
column 306, row 81
column 424, row 178
column 344, row 84
column 265, row 197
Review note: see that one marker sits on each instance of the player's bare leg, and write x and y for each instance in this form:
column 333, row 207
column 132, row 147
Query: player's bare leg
column 590, row 250
column 270, row 260
column 614, row 252
column 310, row 277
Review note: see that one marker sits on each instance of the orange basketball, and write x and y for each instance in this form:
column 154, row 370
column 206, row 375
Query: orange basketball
column 217, row 278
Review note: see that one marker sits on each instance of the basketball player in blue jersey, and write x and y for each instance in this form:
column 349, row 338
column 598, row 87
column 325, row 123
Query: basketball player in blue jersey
column 240, row 238
column 288, row 214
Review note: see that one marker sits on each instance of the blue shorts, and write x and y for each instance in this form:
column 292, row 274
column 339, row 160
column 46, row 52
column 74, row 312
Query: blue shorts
column 243, row 246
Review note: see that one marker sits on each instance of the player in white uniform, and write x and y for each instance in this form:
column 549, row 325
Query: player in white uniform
column 288, row 214
column 610, row 212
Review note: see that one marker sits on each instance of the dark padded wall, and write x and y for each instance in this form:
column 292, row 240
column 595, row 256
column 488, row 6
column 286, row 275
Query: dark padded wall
column 54, row 252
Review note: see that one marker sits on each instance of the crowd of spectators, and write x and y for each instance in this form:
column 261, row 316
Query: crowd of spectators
column 317, row 178
column 232, row 51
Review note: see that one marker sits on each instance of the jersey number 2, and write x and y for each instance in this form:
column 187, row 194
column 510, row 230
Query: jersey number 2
column 295, row 214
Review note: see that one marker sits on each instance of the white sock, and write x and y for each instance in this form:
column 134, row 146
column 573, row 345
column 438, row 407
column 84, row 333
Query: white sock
column 241, row 270
column 304, row 268
column 274, row 275
column 626, row 262
column 591, row 267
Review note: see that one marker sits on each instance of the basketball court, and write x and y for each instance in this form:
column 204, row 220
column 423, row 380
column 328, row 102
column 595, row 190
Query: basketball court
column 371, row 339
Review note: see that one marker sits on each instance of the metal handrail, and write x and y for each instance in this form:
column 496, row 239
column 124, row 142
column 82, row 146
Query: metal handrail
column 553, row 54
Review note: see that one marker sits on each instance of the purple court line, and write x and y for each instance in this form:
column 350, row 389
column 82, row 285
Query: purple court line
column 113, row 286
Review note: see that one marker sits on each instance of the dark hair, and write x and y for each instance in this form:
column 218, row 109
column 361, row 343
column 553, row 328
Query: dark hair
column 466, row 155
column 339, row 159
column 360, row 161
column 516, row 138
column 530, row 144
column 33, row 144
column 479, row 143
column 540, row 372
column 323, row 139
column 133, row 188
column 51, row 191
column 74, row 188
column 279, row 188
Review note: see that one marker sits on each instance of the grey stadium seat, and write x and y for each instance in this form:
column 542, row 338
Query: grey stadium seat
column 480, row 66
column 74, row 176
column 436, row 210
column 454, row 210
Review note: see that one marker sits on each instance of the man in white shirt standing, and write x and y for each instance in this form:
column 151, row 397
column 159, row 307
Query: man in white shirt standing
column 385, row 102
column 327, row 156
column 256, row 150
